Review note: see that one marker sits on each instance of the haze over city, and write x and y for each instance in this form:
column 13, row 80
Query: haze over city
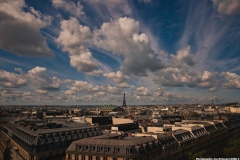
column 92, row 51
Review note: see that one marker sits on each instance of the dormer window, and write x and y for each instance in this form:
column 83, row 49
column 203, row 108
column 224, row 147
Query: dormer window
column 90, row 133
column 128, row 150
column 152, row 145
column 56, row 138
column 78, row 147
column 158, row 143
column 42, row 139
column 80, row 135
column 49, row 139
column 116, row 150
column 106, row 149
column 183, row 137
column 68, row 136
column 94, row 132
column 85, row 148
column 84, row 133
column 74, row 135
column 99, row 149
column 92, row 148
column 62, row 137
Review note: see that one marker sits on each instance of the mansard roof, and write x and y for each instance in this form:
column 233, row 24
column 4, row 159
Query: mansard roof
column 117, row 147
column 34, row 136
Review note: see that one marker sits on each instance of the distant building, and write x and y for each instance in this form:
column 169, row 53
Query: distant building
column 235, row 109
column 114, row 148
column 170, row 142
column 37, row 140
column 108, row 109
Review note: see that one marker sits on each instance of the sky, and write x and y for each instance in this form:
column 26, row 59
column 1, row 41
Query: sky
column 89, row 52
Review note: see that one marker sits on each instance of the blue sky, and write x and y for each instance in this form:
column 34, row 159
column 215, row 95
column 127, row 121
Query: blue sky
column 91, row 51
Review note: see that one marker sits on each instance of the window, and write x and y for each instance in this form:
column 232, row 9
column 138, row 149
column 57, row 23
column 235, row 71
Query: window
column 99, row 149
column 114, row 158
column 90, row 158
column 128, row 151
column 92, row 148
column 85, row 148
column 76, row 156
column 69, row 156
column 104, row 158
column 116, row 150
column 83, row 157
column 97, row 158
column 106, row 149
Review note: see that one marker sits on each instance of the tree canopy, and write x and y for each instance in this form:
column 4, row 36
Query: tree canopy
column 233, row 149
column 200, row 154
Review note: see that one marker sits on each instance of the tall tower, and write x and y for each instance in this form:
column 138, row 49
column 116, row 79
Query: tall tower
column 124, row 100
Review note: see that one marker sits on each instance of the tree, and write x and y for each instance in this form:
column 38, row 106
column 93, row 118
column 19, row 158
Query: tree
column 233, row 149
column 200, row 154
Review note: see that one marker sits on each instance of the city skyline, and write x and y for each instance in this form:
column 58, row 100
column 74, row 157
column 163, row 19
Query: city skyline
column 93, row 51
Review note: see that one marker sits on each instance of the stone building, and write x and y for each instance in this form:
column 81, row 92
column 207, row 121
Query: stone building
column 172, row 144
column 44, row 140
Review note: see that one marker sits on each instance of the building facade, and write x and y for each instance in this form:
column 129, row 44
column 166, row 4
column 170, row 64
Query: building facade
column 44, row 140
column 170, row 144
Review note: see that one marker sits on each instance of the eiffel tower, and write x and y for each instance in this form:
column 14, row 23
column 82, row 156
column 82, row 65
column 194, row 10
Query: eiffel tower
column 124, row 100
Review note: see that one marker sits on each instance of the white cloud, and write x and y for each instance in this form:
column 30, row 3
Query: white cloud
column 181, row 71
column 174, row 77
column 69, row 7
column 122, row 37
column 98, row 92
column 123, row 85
column 208, row 75
column 212, row 89
column 110, row 9
column 95, row 73
column 19, row 70
column 228, row 7
column 182, row 58
column 83, row 62
column 77, row 91
column 40, row 80
column 232, row 80
column 25, row 39
column 12, row 80
column 140, row 91
column 163, row 95
column 73, row 37
column 117, row 77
